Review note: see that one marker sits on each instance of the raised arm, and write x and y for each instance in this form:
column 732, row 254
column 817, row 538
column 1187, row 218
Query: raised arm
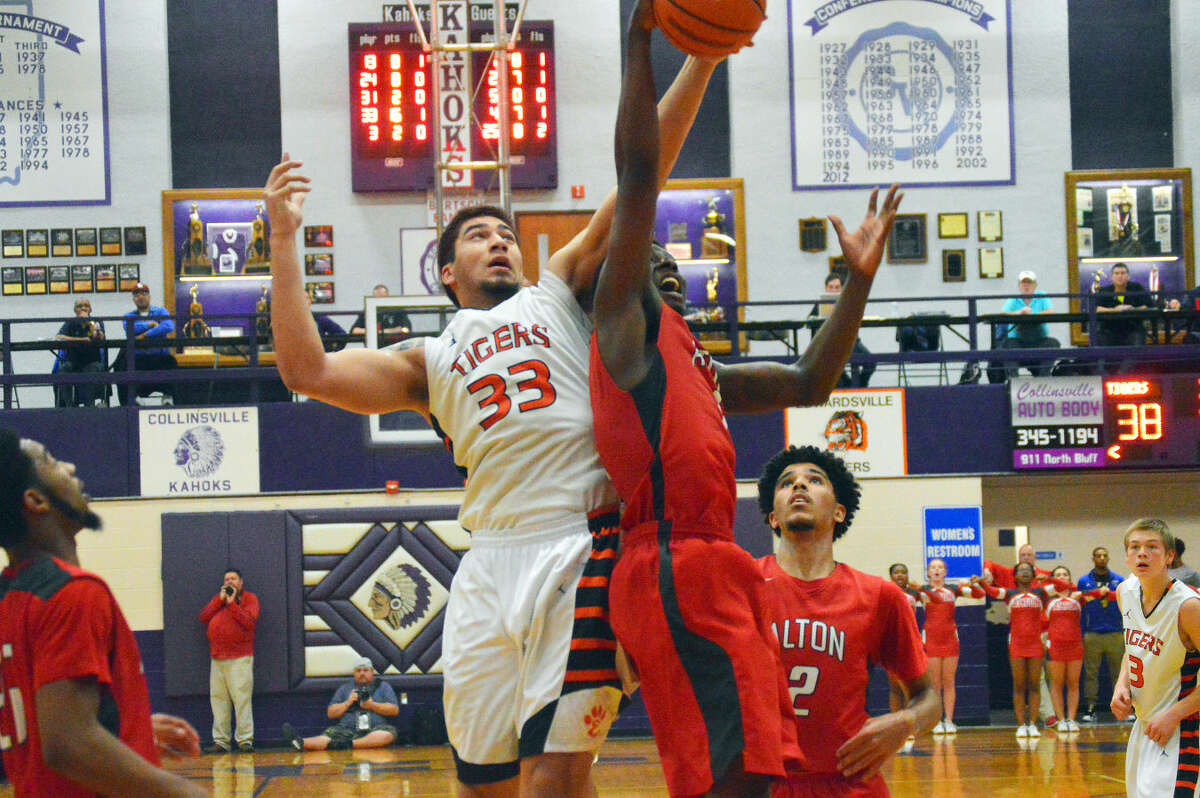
column 359, row 380
column 624, row 294
column 763, row 387
column 576, row 263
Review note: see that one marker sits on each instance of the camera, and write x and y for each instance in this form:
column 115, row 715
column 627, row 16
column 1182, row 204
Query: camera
column 228, row 589
column 363, row 694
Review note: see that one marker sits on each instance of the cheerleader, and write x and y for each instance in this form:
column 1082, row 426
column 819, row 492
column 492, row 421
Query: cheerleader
column 1064, row 640
column 941, row 637
column 898, row 573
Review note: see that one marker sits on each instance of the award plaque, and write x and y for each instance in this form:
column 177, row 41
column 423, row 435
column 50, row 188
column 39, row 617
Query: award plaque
column 952, row 225
column 318, row 265
column 954, row 265
column 813, row 236
column 85, row 242
column 60, row 279
column 35, row 279
column 106, row 278
column 62, row 243
column 37, row 243
column 129, row 275
column 907, row 243
column 83, row 279
column 13, row 242
column 321, row 293
column 991, row 263
column 110, row 241
column 318, row 235
column 135, row 241
column 991, row 225
column 13, row 280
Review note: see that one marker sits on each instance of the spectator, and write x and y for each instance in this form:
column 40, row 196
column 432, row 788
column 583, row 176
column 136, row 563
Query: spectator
column 393, row 323
column 1120, row 296
column 1188, row 332
column 327, row 327
column 231, row 616
column 86, row 356
column 143, row 322
column 1102, row 631
column 76, row 711
column 1026, row 334
column 373, row 702
column 1181, row 571
column 1002, row 576
column 860, row 374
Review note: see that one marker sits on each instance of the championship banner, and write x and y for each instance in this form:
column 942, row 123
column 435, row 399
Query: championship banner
column 194, row 452
column 917, row 92
column 53, row 103
column 955, row 536
column 866, row 428
column 1057, row 422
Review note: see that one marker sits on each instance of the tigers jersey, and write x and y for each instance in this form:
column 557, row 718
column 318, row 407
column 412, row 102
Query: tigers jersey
column 508, row 392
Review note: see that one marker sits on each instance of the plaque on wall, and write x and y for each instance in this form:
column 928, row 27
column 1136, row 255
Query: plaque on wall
column 991, row 225
column 106, row 278
column 13, row 242
column 991, row 262
column 813, row 235
column 954, row 265
column 907, row 243
column 319, row 264
column 318, row 235
column 129, row 275
column 60, row 279
column 952, row 225
column 135, row 241
column 82, row 279
column 85, row 241
column 321, row 293
column 110, row 241
column 35, row 279
column 62, row 242
column 37, row 243
column 13, row 280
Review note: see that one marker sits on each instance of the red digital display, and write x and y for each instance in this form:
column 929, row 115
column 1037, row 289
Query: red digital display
column 531, row 102
column 392, row 104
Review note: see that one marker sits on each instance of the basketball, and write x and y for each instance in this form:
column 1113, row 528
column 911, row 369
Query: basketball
column 711, row 28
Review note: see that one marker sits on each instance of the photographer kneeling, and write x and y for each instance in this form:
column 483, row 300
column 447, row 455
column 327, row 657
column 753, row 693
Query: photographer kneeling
column 360, row 708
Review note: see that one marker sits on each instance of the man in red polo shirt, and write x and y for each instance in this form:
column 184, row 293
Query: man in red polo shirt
column 231, row 616
column 74, row 710
column 1002, row 575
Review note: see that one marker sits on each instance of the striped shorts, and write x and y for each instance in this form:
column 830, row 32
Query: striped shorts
column 527, row 651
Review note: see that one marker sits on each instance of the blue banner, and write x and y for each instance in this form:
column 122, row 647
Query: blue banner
column 827, row 11
column 61, row 34
column 955, row 536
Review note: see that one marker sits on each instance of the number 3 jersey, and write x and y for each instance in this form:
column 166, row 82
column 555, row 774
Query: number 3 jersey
column 508, row 392
column 1161, row 670
column 830, row 630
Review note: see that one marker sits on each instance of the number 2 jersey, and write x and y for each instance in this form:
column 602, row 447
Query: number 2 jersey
column 1161, row 669
column 60, row 622
column 830, row 631
column 508, row 392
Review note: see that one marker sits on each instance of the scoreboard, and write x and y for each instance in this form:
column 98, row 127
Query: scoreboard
column 393, row 140
column 1095, row 422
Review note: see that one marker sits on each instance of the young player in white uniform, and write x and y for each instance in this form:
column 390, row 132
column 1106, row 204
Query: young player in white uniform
column 1158, row 674
column 529, row 691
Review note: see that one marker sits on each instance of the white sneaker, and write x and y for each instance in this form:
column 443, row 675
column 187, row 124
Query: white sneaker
column 940, row 728
column 1075, row 725
column 1022, row 732
column 1033, row 730
column 1063, row 725
column 948, row 727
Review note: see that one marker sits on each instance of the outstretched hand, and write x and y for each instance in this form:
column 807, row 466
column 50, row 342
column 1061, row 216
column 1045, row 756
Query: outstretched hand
column 284, row 194
column 863, row 249
column 174, row 736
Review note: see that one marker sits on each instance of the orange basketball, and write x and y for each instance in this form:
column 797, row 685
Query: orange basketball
column 710, row 27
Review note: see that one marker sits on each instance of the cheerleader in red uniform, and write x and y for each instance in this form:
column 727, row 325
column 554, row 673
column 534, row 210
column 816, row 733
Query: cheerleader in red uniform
column 1026, row 612
column 941, row 637
column 898, row 573
column 1065, row 641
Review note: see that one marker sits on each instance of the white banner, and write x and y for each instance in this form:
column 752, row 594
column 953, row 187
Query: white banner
column 199, row 452
column 866, row 428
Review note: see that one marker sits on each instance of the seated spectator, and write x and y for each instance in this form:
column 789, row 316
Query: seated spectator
column 393, row 323
column 361, row 708
column 148, row 321
column 1189, row 331
column 1120, row 296
column 1025, row 334
column 860, row 374
column 326, row 327
column 1179, row 570
column 88, row 355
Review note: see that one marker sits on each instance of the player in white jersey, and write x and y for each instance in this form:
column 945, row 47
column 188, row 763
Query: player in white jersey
column 1158, row 673
column 530, row 687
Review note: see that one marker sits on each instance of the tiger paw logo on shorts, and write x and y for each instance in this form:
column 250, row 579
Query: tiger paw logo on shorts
column 596, row 720
column 846, row 430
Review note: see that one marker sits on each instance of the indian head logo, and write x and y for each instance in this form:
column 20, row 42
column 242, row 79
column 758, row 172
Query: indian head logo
column 846, row 430
column 400, row 596
column 596, row 720
column 200, row 451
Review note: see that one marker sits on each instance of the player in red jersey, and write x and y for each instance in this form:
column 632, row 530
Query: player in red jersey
column 686, row 602
column 832, row 622
column 941, row 637
column 1064, row 640
column 74, row 711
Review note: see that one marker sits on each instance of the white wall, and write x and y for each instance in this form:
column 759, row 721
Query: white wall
column 1185, row 72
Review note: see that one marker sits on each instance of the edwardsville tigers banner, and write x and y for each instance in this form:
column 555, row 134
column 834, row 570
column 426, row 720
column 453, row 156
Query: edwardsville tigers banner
column 866, row 428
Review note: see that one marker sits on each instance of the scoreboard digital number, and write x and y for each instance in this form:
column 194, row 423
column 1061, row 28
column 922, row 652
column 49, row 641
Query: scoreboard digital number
column 1137, row 422
column 393, row 138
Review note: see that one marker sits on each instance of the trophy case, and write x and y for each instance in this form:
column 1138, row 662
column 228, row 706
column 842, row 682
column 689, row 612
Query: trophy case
column 1139, row 217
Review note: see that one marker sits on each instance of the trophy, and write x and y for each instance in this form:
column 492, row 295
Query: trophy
column 195, row 327
column 195, row 258
column 262, row 322
column 716, row 312
column 258, row 253
column 714, row 243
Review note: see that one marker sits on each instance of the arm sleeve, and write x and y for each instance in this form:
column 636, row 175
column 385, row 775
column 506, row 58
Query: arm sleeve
column 384, row 694
column 211, row 609
column 974, row 591
column 995, row 592
column 340, row 694
column 74, row 635
column 165, row 325
column 246, row 613
column 904, row 654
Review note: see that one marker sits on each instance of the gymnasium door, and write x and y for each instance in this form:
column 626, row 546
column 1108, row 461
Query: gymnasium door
column 542, row 233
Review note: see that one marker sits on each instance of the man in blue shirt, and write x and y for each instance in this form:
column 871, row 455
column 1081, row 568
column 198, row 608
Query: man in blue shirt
column 361, row 708
column 1102, row 631
column 1024, row 334
column 147, row 321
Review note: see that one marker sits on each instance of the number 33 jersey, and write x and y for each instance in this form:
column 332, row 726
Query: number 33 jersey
column 1158, row 660
column 830, row 630
column 508, row 392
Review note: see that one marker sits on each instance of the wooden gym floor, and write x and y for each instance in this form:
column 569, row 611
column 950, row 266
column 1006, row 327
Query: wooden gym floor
column 977, row 761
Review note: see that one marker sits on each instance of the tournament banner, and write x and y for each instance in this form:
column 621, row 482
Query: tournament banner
column 866, row 428
column 53, row 103
column 199, row 452
column 1057, row 422
column 917, row 92
column 955, row 536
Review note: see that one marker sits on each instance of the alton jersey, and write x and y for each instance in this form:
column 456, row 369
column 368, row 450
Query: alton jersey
column 508, row 392
column 60, row 622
